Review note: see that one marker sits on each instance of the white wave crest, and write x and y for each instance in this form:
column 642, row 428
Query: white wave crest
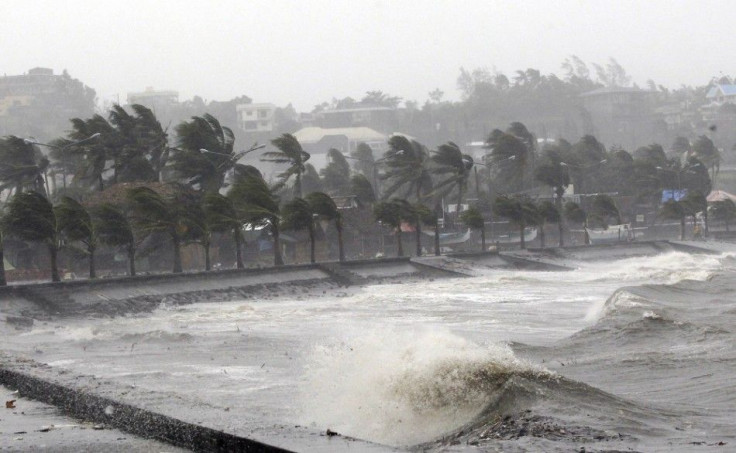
column 403, row 387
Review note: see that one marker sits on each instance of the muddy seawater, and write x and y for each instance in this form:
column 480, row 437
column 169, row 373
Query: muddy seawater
column 633, row 354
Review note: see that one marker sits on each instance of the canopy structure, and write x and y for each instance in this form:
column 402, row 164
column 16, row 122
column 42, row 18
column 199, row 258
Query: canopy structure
column 720, row 195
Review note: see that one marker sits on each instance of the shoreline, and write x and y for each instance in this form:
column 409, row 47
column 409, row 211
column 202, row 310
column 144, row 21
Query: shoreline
column 41, row 382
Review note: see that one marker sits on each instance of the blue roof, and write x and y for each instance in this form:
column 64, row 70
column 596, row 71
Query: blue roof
column 727, row 90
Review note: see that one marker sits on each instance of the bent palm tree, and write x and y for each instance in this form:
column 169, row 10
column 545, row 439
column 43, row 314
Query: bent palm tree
column 205, row 152
column 76, row 224
column 31, row 217
column 473, row 219
column 21, row 165
column 221, row 217
column 256, row 204
column 406, row 167
column 289, row 152
column 297, row 215
column 115, row 230
column 324, row 206
column 455, row 167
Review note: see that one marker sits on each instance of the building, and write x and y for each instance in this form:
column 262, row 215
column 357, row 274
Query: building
column 317, row 141
column 40, row 103
column 156, row 100
column 620, row 115
column 383, row 119
column 256, row 117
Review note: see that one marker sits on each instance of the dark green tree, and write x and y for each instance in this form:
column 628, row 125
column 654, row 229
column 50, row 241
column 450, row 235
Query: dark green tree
column 548, row 213
column 708, row 154
column 297, row 215
column 257, row 205
column 362, row 189
column 75, row 224
column 324, row 206
column 205, row 153
column 519, row 210
column 392, row 213
column 22, row 166
column 724, row 211
column 406, row 164
column 222, row 217
column 114, row 229
column 454, row 168
column 30, row 217
column 289, row 152
column 575, row 214
column 473, row 219
column 336, row 175
column 603, row 209
column 674, row 210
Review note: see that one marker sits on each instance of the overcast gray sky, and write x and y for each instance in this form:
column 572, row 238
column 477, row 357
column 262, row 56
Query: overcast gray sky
column 310, row 51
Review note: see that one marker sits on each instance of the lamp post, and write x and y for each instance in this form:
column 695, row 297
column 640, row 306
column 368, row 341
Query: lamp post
column 233, row 157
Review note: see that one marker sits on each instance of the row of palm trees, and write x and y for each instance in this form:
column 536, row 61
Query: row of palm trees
column 171, row 211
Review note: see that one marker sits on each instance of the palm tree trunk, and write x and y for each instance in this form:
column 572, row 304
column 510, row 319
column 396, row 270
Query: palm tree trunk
column 560, row 191
column 298, row 185
column 3, row 281
column 101, row 183
column 419, row 238
column 561, row 231
column 278, row 260
column 340, row 245
column 521, row 236
column 400, row 248
column 92, row 271
column 483, row 238
column 238, row 248
column 207, row 261
column 541, row 235
column 705, row 221
column 54, row 267
column 311, row 244
column 131, row 261
column 437, row 240
column 682, row 228
column 177, row 256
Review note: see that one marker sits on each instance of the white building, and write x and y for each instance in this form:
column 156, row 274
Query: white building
column 256, row 117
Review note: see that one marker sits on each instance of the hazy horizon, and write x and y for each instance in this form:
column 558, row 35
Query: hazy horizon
column 310, row 52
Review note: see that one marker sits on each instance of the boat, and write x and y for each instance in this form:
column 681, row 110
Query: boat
column 450, row 238
column 612, row 234
column 513, row 237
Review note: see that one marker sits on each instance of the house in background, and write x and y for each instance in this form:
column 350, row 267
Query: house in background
column 620, row 115
column 256, row 117
column 156, row 100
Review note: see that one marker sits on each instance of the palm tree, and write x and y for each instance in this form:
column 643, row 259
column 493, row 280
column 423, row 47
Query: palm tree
column 707, row 152
column 21, row 165
column 221, row 217
column 473, row 219
column 574, row 213
column 674, row 210
column 723, row 210
column 31, row 217
column 297, row 215
column 75, row 223
column 256, row 204
column 392, row 213
column 114, row 229
column 696, row 202
column 289, row 152
column 602, row 209
column 205, row 152
column 510, row 156
column 551, row 172
column 406, row 167
column 3, row 280
column 336, row 175
column 519, row 210
column 548, row 213
column 455, row 167
column 362, row 189
column 94, row 154
column 324, row 206
column 156, row 213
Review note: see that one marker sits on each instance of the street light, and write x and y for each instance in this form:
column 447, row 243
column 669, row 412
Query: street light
column 679, row 172
column 234, row 157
